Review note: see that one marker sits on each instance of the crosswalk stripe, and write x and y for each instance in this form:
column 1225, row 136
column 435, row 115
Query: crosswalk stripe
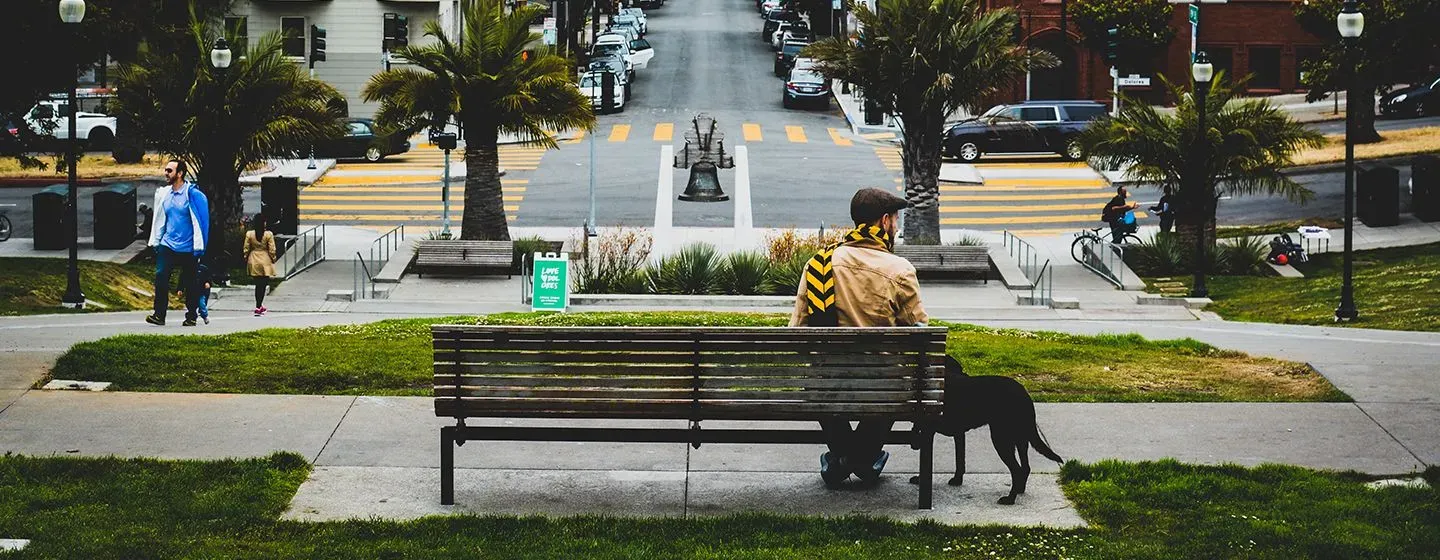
column 399, row 198
column 391, row 218
column 619, row 132
column 579, row 135
column 1023, row 220
column 751, row 132
column 664, row 132
column 795, row 134
column 391, row 207
column 376, row 179
column 966, row 209
column 1100, row 196
column 1039, row 182
column 838, row 139
column 1008, row 188
column 1031, row 165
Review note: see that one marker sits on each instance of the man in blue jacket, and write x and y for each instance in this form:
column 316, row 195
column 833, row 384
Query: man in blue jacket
column 179, row 229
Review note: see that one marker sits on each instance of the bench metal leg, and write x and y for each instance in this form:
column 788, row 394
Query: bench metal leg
column 447, row 466
column 927, row 468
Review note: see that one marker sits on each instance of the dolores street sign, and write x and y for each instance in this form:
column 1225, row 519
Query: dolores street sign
column 550, row 290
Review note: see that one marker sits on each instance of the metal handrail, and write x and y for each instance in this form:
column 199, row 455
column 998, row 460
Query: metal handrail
column 1024, row 254
column 1045, row 283
column 311, row 243
column 385, row 245
column 1102, row 258
column 362, row 281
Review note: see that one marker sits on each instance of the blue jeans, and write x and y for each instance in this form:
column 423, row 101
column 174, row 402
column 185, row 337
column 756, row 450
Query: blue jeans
column 166, row 260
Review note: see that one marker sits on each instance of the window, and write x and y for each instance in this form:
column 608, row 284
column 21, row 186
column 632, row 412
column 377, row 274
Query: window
column 1038, row 114
column 293, row 30
column 1223, row 59
column 1304, row 57
column 238, row 28
column 1265, row 67
column 1081, row 113
column 359, row 129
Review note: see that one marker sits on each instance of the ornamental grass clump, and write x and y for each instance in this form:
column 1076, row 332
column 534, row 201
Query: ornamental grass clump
column 614, row 263
column 743, row 273
column 691, row 271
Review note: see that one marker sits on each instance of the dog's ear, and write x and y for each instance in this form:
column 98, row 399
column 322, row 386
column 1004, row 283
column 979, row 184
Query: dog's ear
column 953, row 367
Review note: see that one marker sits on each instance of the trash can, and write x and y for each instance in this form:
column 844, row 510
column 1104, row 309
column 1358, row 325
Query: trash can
column 1425, row 187
column 49, row 216
column 1377, row 195
column 115, row 213
column 280, row 202
column 873, row 115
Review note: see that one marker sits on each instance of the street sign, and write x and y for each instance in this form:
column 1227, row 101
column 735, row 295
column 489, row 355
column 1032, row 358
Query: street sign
column 549, row 23
column 1194, row 15
column 1194, row 30
column 547, row 36
column 550, row 288
column 1133, row 81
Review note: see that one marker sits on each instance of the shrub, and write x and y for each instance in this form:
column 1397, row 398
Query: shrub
column 613, row 263
column 1163, row 256
column 785, row 244
column 743, row 273
column 783, row 278
column 1243, row 256
column 531, row 245
column 690, row 271
column 968, row 240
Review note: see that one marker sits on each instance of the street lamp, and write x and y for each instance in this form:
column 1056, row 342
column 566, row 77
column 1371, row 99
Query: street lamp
column 1350, row 23
column 1200, row 197
column 220, row 57
column 72, row 12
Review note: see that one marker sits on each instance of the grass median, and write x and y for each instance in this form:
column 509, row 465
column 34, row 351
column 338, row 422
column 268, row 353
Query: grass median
column 143, row 508
column 30, row 286
column 1422, row 140
column 395, row 358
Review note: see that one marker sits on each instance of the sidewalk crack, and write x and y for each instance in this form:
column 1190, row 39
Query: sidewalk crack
column 331, row 437
column 1382, row 427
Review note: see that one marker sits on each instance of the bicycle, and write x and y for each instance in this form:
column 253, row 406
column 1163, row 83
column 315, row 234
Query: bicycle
column 5, row 227
column 1091, row 236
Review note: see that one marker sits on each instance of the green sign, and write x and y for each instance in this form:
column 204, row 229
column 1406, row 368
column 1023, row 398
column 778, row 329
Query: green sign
column 1194, row 15
column 550, row 285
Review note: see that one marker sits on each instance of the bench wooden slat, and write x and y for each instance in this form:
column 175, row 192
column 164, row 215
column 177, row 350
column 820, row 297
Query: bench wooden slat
column 576, row 371
column 785, row 412
column 703, row 396
column 849, row 347
column 896, row 384
column 681, row 408
column 674, row 358
column 530, row 332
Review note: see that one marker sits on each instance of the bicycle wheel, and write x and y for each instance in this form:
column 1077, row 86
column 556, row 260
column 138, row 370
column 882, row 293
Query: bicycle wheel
column 4, row 228
column 1130, row 239
column 1077, row 247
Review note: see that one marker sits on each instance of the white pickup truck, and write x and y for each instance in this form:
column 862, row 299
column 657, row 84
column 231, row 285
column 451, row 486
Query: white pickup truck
column 51, row 117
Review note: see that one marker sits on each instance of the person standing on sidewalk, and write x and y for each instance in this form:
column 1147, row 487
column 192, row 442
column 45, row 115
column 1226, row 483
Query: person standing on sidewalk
column 860, row 283
column 260, row 259
column 179, row 228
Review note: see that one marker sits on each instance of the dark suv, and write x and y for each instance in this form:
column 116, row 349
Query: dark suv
column 1029, row 127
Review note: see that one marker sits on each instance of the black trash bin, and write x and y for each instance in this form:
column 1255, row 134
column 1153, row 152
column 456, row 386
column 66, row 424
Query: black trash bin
column 49, row 216
column 1425, row 187
column 115, row 213
column 280, row 202
column 1377, row 195
column 873, row 114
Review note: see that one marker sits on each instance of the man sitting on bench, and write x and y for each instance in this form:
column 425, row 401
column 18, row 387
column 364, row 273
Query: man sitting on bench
column 859, row 282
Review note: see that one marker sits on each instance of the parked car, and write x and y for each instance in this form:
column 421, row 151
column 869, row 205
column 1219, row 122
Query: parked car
column 797, row 31
column 786, row 57
column 628, row 30
column 1417, row 100
column 591, row 86
column 773, row 19
column 362, row 139
column 764, row 6
column 614, row 63
column 51, row 118
column 805, row 86
column 628, row 20
column 636, row 52
column 639, row 15
column 650, row 4
column 1029, row 127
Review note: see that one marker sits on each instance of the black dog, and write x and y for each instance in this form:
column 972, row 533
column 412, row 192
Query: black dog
column 1004, row 404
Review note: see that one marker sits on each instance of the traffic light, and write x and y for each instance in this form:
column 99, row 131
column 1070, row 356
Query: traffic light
column 1017, row 33
column 397, row 31
column 317, row 44
column 1112, row 45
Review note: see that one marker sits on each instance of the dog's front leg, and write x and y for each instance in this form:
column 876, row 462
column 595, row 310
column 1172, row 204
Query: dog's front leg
column 959, row 477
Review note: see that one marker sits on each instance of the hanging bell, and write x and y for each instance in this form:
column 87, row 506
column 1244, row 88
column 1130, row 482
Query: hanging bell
column 704, row 185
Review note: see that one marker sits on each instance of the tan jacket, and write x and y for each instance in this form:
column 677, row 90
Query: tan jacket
column 260, row 254
column 873, row 288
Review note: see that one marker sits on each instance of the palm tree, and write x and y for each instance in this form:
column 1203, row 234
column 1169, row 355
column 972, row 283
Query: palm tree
column 922, row 60
column 497, row 80
column 222, row 122
column 1249, row 142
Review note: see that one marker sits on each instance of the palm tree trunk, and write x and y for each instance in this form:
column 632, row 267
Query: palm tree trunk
column 1364, row 106
column 1196, row 221
column 484, row 216
column 223, row 190
column 921, row 157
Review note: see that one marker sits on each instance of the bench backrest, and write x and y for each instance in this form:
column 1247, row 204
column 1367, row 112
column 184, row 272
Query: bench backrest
column 494, row 253
column 698, row 373
column 947, row 255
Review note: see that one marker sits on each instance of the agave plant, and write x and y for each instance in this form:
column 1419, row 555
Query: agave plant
column 783, row 278
column 743, row 273
column 690, row 271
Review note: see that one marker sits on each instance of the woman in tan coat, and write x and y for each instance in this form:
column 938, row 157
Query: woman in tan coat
column 260, row 259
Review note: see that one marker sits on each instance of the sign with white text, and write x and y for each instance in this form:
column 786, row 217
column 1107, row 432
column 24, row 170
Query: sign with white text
column 550, row 285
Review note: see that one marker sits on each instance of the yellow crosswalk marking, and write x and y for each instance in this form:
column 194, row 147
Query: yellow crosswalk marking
column 579, row 135
column 1099, row 196
column 619, row 132
column 664, row 132
column 1032, row 165
column 391, row 218
column 751, row 132
column 1024, row 220
column 1053, row 231
column 390, row 207
column 377, row 179
column 396, row 198
column 795, row 134
column 1040, row 181
column 1009, row 188
column 1014, row 208
column 838, row 139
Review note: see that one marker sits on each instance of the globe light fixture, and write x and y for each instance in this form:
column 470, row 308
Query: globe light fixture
column 220, row 54
column 72, row 11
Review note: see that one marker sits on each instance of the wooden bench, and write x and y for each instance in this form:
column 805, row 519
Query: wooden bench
column 472, row 256
column 947, row 258
column 685, row 373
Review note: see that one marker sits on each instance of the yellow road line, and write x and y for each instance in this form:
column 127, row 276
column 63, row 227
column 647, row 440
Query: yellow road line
column 838, row 139
column 878, row 135
column 751, row 132
column 579, row 135
column 795, row 134
column 664, row 132
column 1038, row 182
column 1100, row 196
column 391, row 207
column 963, row 209
column 1054, row 231
column 1024, row 220
column 401, row 198
column 392, row 218
column 1032, row 165
column 619, row 132
column 377, row 179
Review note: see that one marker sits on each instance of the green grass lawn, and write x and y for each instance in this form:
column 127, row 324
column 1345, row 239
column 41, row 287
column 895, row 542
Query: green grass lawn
column 141, row 508
column 1395, row 288
column 395, row 358
column 30, row 286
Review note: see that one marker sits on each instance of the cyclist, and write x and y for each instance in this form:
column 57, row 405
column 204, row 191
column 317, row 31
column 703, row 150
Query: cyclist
column 1114, row 214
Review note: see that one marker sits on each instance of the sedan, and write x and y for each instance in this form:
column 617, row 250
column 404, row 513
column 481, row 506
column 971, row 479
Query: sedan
column 1415, row 101
column 786, row 57
column 805, row 86
column 362, row 139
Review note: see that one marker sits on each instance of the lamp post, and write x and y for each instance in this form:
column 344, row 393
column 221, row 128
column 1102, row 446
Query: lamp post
column 1351, row 23
column 1200, row 197
column 220, row 58
column 72, row 12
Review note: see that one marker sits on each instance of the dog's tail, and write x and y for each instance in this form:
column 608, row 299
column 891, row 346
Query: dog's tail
column 1037, row 440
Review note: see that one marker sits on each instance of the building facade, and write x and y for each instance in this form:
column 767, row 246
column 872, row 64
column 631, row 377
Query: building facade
column 355, row 35
column 1258, row 38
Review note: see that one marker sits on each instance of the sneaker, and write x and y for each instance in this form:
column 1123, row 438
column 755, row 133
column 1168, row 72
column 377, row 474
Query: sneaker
column 188, row 323
column 259, row 311
column 833, row 470
column 205, row 318
column 155, row 320
column 872, row 473
column 263, row 310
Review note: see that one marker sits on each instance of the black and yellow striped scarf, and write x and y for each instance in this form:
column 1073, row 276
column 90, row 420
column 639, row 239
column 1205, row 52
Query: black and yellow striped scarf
column 820, row 277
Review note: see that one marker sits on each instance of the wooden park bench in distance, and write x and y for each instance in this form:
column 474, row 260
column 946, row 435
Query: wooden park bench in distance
column 465, row 257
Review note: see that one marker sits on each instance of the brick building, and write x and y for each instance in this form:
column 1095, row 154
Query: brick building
column 1256, row 37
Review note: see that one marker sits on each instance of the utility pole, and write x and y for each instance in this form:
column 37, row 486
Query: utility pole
column 1066, row 57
